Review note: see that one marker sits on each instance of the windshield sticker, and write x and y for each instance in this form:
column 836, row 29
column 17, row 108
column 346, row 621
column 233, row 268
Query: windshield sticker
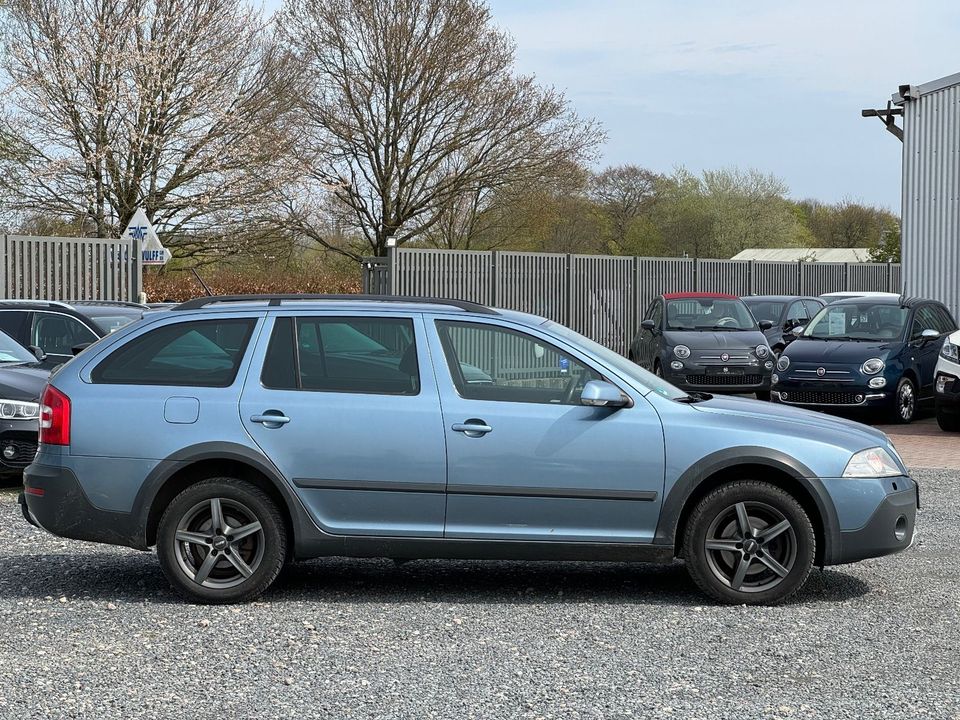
column 837, row 323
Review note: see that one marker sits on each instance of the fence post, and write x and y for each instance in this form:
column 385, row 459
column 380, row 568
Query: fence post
column 635, row 299
column 800, row 277
column 393, row 279
column 568, row 281
column 846, row 276
column 751, row 282
column 3, row 267
column 136, row 274
column 494, row 269
column 889, row 276
column 696, row 274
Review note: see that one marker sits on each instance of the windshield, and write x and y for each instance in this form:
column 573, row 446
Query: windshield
column 13, row 352
column 766, row 310
column 703, row 314
column 615, row 360
column 858, row 321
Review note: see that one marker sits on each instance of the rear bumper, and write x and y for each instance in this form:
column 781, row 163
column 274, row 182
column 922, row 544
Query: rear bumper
column 53, row 500
column 889, row 530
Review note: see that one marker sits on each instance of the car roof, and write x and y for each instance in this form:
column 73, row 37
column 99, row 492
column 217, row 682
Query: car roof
column 778, row 298
column 694, row 295
column 907, row 302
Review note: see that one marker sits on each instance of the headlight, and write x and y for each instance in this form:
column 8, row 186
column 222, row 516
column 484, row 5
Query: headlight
column 949, row 351
column 682, row 352
column 872, row 366
column 872, row 463
column 18, row 410
column 762, row 351
column 783, row 363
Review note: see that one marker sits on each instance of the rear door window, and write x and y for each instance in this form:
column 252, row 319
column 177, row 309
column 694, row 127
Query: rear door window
column 343, row 354
column 200, row 353
column 57, row 334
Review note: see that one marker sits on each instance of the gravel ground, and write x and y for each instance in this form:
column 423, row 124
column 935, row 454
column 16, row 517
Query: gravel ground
column 94, row 632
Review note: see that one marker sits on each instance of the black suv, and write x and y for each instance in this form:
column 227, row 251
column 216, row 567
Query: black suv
column 706, row 342
column 51, row 330
column 786, row 313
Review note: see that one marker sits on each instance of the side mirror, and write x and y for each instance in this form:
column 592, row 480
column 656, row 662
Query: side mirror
column 77, row 349
column 648, row 325
column 38, row 353
column 929, row 335
column 798, row 330
column 765, row 324
column 597, row 393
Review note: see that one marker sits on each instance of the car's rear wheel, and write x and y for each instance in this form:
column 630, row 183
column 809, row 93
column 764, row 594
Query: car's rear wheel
column 904, row 402
column 749, row 542
column 948, row 422
column 221, row 541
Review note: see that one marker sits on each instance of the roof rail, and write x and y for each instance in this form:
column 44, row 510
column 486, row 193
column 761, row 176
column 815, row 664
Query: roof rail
column 110, row 303
column 276, row 300
column 47, row 303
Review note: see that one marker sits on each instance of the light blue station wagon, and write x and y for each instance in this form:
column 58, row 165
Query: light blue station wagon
column 235, row 434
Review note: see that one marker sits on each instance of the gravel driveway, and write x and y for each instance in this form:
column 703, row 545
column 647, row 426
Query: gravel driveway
column 94, row 632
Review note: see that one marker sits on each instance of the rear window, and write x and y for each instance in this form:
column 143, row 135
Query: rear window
column 343, row 354
column 202, row 353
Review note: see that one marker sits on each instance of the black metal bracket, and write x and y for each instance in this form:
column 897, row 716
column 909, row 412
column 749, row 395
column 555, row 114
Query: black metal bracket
column 887, row 118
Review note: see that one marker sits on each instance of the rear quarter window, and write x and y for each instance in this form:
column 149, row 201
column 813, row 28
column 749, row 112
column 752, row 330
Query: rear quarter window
column 201, row 353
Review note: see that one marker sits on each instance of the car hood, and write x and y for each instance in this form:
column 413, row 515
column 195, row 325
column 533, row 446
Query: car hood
column 22, row 382
column 708, row 340
column 793, row 420
column 839, row 351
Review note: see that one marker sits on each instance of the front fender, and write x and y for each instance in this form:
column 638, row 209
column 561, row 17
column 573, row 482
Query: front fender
column 675, row 502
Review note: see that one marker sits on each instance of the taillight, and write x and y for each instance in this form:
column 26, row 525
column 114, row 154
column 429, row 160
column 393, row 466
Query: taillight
column 54, row 417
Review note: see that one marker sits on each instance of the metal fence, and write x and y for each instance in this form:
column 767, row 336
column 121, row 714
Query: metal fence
column 50, row 268
column 600, row 296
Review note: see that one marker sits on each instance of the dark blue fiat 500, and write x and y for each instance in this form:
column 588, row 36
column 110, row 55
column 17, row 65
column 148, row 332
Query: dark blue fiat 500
column 877, row 354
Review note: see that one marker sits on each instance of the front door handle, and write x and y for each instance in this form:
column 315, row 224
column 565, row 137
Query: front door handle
column 472, row 428
column 271, row 419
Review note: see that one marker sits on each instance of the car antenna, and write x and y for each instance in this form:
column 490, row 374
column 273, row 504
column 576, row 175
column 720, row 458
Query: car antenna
column 202, row 283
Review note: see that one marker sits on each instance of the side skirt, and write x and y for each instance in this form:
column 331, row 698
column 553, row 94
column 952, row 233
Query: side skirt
column 465, row 549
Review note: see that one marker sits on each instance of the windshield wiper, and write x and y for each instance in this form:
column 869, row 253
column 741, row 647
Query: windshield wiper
column 725, row 327
column 694, row 397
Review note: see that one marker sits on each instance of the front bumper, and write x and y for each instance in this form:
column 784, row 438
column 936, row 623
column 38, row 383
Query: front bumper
column 947, row 393
column 889, row 529
column 719, row 379
column 53, row 500
column 18, row 445
column 827, row 394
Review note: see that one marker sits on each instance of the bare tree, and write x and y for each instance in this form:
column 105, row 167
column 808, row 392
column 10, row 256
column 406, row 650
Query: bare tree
column 414, row 110
column 623, row 194
column 179, row 106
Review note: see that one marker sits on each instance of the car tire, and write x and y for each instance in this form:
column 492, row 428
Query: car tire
column 737, row 567
column 948, row 422
column 657, row 369
column 227, row 530
column 905, row 400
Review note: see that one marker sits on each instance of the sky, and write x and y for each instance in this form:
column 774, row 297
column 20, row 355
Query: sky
column 776, row 86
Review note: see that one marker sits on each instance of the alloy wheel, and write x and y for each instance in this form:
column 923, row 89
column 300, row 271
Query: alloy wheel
column 751, row 547
column 219, row 543
column 906, row 401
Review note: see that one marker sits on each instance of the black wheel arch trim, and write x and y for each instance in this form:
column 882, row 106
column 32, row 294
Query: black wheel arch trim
column 222, row 451
column 675, row 501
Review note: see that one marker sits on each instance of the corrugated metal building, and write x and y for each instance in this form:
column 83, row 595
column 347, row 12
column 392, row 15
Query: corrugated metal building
column 841, row 255
column 931, row 189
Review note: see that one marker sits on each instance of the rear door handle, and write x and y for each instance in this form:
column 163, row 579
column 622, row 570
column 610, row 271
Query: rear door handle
column 472, row 428
column 270, row 419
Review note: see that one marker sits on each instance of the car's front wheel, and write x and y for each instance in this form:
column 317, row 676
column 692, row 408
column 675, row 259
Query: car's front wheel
column 749, row 542
column 904, row 402
column 948, row 422
column 221, row 541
